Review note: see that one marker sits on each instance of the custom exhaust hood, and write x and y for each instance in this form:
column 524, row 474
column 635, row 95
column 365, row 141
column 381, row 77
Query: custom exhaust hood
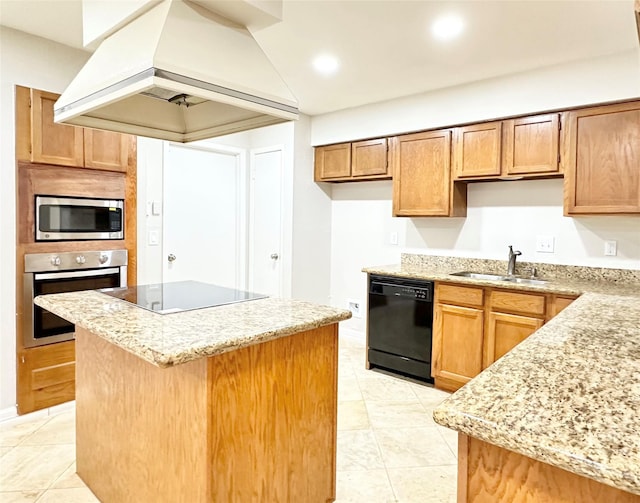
column 177, row 72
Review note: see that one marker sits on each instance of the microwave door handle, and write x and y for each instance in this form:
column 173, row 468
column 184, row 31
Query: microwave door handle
column 76, row 274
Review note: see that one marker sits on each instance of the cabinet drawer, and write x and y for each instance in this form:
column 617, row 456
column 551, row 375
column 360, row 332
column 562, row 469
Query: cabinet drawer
column 460, row 295
column 523, row 303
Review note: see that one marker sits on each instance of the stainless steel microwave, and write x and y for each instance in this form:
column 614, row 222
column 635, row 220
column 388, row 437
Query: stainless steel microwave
column 78, row 218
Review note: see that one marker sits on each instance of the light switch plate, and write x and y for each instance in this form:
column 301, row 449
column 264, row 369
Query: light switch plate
column 545, row 244
column 393, row 238
column 153, row 238
column 611, row 248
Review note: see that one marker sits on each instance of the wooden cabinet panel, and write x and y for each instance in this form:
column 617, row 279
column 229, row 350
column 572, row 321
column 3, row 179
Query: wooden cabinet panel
column 602, row 173
column 53, row 143
column 333, row 162
column 46, row 376
column 530, row 145
column 460, row 295
column 421, row 165
column 369, row 158
column 506, row 331
column 457, row 343
column 106, row 150
column 520, row 303
column 477, row 150
column 556, row 303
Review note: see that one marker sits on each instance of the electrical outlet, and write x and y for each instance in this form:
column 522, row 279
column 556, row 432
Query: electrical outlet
column 355, row 306
column 611, row 248
column 393, row 238
column 545, row 244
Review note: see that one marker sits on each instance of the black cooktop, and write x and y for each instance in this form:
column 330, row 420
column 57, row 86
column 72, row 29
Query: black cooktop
column 166, row 298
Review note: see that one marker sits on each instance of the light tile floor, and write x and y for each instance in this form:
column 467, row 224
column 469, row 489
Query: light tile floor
column 389, row 448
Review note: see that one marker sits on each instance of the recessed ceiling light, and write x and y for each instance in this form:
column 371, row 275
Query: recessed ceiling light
column 447, row 27
column 326, row 64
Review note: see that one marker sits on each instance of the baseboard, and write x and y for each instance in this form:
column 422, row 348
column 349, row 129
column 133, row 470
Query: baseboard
column 8, row 413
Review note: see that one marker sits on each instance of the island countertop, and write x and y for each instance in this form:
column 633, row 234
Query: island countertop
column 172, row 339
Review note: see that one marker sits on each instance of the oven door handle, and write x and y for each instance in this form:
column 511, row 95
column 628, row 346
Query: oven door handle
column 76, row 274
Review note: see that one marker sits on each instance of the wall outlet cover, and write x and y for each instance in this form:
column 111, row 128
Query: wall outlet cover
column 611, row 248
column 545, row 244
column 355, row 306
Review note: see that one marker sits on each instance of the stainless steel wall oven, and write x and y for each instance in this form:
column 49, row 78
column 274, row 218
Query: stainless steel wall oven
column 65, row 272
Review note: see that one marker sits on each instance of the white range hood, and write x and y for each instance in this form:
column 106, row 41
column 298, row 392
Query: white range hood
column 177, row 72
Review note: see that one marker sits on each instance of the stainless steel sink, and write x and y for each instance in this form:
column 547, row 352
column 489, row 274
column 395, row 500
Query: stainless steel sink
column 499, row 277
column 479, row 275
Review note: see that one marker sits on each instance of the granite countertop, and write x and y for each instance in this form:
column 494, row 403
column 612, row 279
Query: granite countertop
column 569, row 395
column 172, row 339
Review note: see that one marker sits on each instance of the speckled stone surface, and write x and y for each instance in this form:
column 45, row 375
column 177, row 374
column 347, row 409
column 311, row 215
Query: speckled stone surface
column 171, row 339
column 569, row 395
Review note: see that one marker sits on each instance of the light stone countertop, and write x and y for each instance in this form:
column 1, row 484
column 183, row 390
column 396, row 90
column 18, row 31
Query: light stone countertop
column 172, row 339
column 569, row 395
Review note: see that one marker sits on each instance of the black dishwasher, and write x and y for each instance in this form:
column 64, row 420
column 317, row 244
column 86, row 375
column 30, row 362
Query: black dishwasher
column 400, row 324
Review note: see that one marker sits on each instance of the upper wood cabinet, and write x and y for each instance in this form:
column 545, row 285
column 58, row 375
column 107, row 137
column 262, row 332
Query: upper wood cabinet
column 477, row 150
column 421, row 166
column 356, row 161
column 41, row 140
column 530, row 145
column 521, row 147
column 602, row 173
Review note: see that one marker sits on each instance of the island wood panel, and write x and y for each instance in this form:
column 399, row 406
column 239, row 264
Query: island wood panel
column 283, row 393
column 256, row 424
column 141, row 431
column 490, row 474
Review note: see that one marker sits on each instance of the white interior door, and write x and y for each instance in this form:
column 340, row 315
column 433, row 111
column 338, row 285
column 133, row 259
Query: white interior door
column 265, row 226
column 203, row 230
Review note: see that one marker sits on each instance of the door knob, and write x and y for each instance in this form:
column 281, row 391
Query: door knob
column 171, row 257
column 275, row 256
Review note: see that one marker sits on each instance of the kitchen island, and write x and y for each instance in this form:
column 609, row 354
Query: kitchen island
column 230, row 403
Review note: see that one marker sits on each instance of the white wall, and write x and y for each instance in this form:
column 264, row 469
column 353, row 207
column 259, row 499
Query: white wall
column 32, row 62
column 499, row 213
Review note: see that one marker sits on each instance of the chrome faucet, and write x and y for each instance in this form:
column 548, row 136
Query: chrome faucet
column 511, row 268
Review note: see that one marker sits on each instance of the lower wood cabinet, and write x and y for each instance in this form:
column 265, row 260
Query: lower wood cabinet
column 505, row 332
column 475, row 326
column 46, row 376
column 457, row 349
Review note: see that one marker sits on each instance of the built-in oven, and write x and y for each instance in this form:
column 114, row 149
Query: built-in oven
column 65, row 272
column 78, row 218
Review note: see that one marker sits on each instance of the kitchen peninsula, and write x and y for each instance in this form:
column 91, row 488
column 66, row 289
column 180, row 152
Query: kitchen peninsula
column 230, row 403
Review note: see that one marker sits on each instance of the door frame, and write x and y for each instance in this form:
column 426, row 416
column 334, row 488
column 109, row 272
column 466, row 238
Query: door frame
column 284, row 258
column 242, row 204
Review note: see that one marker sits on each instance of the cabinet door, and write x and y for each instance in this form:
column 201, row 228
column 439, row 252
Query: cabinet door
column 530, row 145
column 421, row 166
column 457, row 344
column 53, row 143
column 505, row 331
column 333, row 162
column 602, row 173
column 106, row 150
column 46, row 376
column 369, row 159
column 477, row 150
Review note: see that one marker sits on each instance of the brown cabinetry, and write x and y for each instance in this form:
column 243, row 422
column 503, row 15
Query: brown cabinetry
column 40, row 140
column 458, row 323
column 421, row 165
column 46, row 375
column 475, row 326
column 520, row 147
column 356, row 161
column 602, row 173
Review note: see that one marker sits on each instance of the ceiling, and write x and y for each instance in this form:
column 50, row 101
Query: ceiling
column 385, row 48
